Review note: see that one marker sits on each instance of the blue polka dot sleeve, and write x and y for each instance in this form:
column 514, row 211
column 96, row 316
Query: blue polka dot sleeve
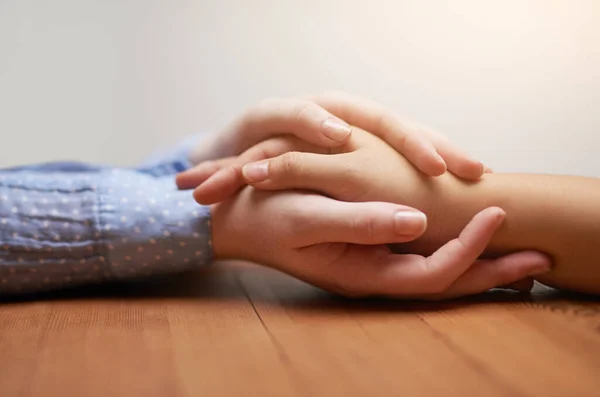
column 74, row 224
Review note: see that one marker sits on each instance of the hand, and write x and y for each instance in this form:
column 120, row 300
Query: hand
column 363, row 169
column 323, row 120
column 339, row 246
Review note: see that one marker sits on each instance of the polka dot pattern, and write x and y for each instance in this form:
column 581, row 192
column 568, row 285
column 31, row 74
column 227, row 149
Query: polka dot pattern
column 66, row 224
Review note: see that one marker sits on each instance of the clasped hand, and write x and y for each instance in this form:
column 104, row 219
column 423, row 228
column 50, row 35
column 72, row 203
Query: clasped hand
column 323, row 205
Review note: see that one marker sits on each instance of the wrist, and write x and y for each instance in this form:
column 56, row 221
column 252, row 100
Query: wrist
column 223, row 232
column 457, row 201
column 449, row 203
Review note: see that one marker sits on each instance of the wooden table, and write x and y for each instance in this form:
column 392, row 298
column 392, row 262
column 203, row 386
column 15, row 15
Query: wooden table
column 241, row 330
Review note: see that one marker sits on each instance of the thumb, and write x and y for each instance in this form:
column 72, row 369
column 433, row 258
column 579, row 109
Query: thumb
column 326, row 220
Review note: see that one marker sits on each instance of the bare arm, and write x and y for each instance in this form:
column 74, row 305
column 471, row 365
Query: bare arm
column 558, row 215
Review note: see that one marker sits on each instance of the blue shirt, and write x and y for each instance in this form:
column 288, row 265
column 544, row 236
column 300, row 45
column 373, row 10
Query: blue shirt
column 68, row 224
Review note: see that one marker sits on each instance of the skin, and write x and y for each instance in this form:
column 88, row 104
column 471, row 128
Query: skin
column 323, row 120
column 554, row 214
column 342, row 247
column 558, row 215
column 319, row 123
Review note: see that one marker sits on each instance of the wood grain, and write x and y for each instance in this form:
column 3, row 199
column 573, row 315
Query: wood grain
column 240, row 330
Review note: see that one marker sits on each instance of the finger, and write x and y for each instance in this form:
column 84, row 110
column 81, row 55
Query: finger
column 328, row 174
column 193, row 177
column 380, row 121
column 322, row 219
column 226, row 182
column 459, row 163
column 357, row 270
column 488, row 170
column 277, row 146
column 514, row 269
column 344, row 272
column 426, row 148
column 456, row 256
column 414, row 275
column 300, row 117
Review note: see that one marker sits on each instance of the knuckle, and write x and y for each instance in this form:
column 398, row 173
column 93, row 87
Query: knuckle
column 364, row 228
column 234, row 174
column 290, row 162
column 270, row 148
column 388, row 125
column 304, row 110
column 260, row 151
column 252, row 113
column 352, row 183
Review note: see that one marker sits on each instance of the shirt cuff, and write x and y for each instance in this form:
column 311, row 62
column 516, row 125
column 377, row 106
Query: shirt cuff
column 152, row 230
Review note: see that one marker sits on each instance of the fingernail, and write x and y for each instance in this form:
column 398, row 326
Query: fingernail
column 256, row 172
column 336, row 129
column 409, row 223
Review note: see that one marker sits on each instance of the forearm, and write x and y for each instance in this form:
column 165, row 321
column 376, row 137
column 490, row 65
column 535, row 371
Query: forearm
column 65, row 228
column 554, row 214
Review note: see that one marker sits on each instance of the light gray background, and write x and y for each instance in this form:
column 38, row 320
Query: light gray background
column 517, row 83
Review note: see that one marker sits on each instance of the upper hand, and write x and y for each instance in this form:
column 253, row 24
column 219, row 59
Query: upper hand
column 323, row 120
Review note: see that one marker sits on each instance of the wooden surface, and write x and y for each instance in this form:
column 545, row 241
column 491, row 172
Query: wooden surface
column 241, row 330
